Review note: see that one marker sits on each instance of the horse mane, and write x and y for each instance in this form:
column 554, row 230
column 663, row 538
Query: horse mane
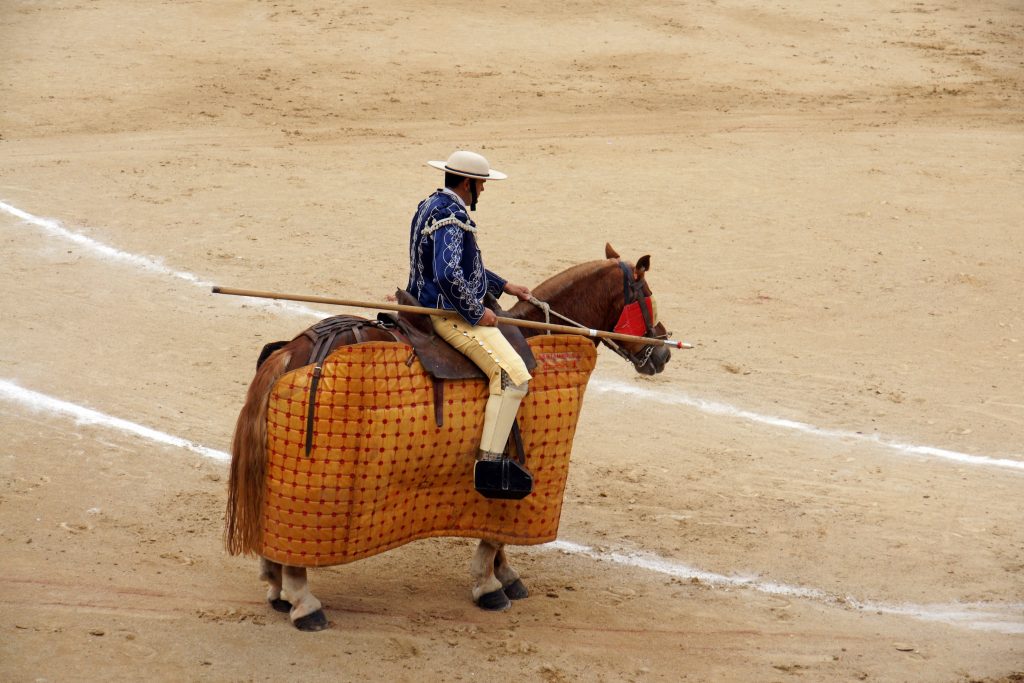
column 574, row 292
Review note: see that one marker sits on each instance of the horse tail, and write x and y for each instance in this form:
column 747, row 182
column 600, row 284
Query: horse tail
column 247, row 480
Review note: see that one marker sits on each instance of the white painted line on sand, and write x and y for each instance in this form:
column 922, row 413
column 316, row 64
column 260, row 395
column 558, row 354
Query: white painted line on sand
column 55, row 229
column 673, row 397
column 41, row 403
column 668, row 397
column 1001, row 618
column 998, row 617
column 660, row 565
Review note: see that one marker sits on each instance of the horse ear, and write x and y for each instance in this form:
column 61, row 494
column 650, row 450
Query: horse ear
column 609, row 252
column 642, row 266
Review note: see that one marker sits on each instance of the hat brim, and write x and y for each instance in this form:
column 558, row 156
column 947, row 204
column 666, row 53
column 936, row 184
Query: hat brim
column 443, row 166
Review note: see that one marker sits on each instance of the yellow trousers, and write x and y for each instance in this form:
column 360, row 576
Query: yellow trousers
column 488, row 348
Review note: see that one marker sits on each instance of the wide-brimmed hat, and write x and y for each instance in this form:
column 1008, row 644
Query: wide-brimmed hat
column 468, row 164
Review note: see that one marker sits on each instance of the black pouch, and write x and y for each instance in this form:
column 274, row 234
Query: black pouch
column 505, row 478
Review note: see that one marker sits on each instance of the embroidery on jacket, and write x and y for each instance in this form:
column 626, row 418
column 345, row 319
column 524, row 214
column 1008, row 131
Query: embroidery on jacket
column 470, row 290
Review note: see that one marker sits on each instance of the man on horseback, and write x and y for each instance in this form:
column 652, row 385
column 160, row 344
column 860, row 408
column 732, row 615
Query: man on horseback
column 446, row 271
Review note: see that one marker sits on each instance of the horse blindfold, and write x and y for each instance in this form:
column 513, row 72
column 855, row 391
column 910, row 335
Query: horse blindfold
column 632, row 319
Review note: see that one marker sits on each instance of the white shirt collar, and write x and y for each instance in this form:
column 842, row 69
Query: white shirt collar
column 449, row 192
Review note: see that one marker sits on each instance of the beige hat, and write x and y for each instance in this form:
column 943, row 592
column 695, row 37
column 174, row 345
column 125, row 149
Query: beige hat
column 468, row 164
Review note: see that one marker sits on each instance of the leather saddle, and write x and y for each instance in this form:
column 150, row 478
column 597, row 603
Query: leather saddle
column 437, row 356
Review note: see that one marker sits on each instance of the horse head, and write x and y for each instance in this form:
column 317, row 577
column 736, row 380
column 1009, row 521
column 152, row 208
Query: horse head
column 634, row 311
column 609, row 295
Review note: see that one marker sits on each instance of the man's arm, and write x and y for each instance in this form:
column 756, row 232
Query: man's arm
column 495, row 283
column 523, row 293
column 451, row 280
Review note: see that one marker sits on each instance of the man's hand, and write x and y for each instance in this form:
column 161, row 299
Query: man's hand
column 490, row 319
column 520, row 291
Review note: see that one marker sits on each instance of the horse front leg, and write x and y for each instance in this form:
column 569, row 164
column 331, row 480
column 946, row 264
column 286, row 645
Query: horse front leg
column 306, row 612
column 511, row 584
column 487, row 590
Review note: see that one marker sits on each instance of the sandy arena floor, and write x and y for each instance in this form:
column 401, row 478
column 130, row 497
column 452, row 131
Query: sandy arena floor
column 828, row 487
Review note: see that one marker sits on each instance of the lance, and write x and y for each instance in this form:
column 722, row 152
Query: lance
column 550, row 327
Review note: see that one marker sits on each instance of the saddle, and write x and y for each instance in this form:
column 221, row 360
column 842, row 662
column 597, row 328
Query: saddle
column 438, row 358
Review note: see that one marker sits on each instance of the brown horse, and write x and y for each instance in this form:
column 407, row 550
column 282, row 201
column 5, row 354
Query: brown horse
column 593, row 294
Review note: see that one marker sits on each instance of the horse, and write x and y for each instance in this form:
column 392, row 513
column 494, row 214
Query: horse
column 592, row 294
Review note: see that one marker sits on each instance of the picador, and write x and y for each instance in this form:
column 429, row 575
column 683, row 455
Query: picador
column 446, row 271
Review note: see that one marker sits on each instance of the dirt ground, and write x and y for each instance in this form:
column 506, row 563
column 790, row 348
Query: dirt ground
column 831, row 197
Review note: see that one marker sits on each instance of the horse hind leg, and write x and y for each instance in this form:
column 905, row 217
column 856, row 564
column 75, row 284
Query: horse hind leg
column 306, row 613
column 272, row 573
column 487, row 590
column 511, row 584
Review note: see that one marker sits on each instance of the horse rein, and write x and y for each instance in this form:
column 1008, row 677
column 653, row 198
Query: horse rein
column 632, row 292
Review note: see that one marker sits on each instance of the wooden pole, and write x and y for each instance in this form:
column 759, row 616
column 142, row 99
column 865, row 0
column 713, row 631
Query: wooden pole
column 550, row 327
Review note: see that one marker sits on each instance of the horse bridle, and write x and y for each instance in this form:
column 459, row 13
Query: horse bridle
column 632, row 292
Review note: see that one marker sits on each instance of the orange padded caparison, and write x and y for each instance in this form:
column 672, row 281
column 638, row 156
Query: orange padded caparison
column 381, row 473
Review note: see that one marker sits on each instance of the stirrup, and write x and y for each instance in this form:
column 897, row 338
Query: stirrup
column 498, row 475
column 502, row 478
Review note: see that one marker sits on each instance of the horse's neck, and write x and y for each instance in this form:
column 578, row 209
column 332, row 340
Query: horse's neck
column 583, row 293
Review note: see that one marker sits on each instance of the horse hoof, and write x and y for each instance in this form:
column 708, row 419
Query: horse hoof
column 495, row 601
column 281, row 605
column 316, row 621
column 516, row 590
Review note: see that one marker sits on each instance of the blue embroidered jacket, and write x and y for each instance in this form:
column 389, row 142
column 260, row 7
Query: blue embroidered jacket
column 446, row 269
